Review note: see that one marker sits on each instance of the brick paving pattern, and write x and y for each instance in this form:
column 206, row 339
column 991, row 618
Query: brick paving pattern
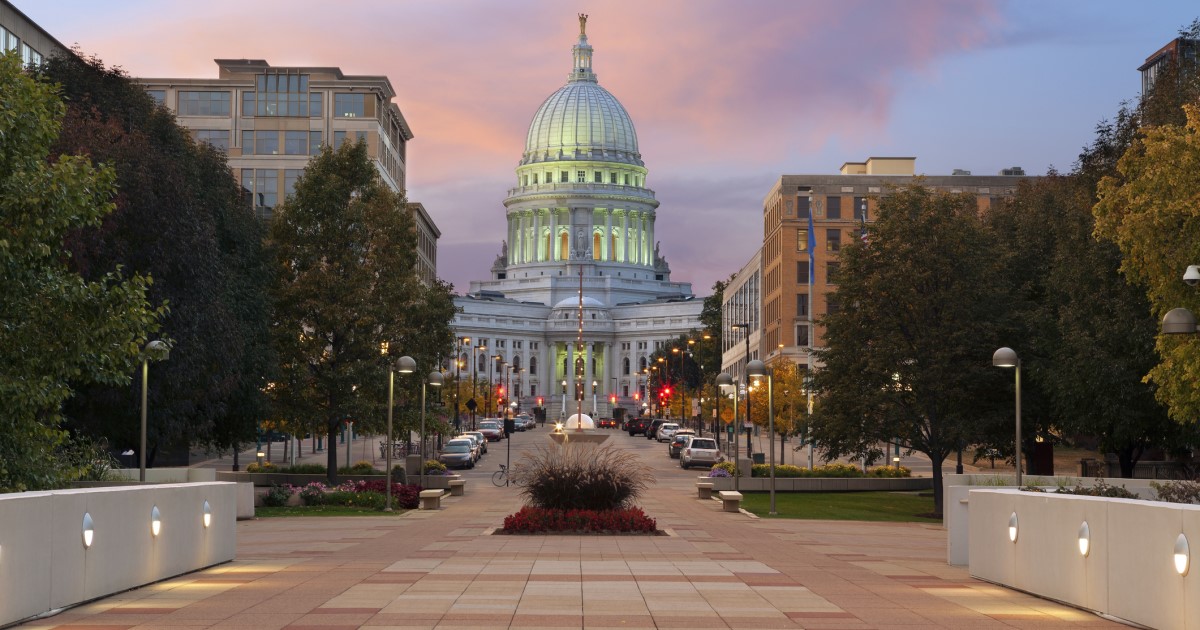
column 444, row 569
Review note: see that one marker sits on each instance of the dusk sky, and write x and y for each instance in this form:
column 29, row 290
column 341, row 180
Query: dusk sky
column 726, row 96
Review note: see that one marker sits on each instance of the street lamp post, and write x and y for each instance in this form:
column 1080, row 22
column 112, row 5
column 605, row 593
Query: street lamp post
column 724, row 382
column 404, row 365
column 434, row 379
column 758, row 369
column 457, row 375
column 594, row 383
column 745, row 328
column 1007, row 357
column 159, row 350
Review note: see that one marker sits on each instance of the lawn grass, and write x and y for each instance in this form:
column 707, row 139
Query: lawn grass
column 902, row 507
column 321, row 510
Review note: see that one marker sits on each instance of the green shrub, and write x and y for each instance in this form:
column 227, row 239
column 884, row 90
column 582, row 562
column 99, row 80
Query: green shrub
column 359, row 468
column 728, row 467
column 1177, row 491
column 304, row 469
column 398, row 474
column 581, row 477
column 837, row 470
column 889, row 472
column 1101, row 489
column 265, row 467
column 277, row 496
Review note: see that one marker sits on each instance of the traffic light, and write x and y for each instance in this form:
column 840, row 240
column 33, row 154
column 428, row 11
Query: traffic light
column 666, row 391
column 539, row 401
column 613, row 399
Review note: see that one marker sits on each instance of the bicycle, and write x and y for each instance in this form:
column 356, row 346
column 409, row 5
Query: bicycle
column 500, row 477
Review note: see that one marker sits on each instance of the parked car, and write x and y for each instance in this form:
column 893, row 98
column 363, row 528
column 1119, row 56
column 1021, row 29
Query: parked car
column 482, row 439
column 526, row 421
column 606, row 423
column 678, row 441
column 457, row 454
column 637, row 426
column 476, row 447
column 492, row 430
column 700, row 451
column 666, row 432
column 652, row 430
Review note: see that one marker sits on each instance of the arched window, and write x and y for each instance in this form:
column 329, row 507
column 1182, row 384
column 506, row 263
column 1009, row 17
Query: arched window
column 516, row 363
column 625, row 366
column 533, row 366
column 642, row 364
column 596, row 251
column 462, row 361
column 563, row 252
column 481, row 363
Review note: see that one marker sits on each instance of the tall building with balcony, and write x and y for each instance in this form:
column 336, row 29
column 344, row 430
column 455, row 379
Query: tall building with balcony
column 580, row 241
column 791, row 281
column 270, row 120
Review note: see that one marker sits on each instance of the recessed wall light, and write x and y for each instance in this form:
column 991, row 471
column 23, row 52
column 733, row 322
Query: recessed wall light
column 89, row 530
column 1085, row 539
column 1182, row 555
column 1012, row 527
column 207, row 514
column 155, row 521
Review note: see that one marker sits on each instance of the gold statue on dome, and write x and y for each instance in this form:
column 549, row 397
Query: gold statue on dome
column 582, row 24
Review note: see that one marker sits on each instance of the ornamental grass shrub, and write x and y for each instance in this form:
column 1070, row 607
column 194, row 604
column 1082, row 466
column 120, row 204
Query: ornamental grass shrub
column 359, row 468
column 261, row 468
column 581, row 477
column 534, row 520
column 304, row 469
column 1177, row 491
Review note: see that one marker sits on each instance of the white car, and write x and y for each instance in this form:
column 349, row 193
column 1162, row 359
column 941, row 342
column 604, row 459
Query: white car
column 700, row 452
column 666, row 432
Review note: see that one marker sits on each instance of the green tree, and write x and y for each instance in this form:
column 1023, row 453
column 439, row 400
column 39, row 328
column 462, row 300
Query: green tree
column 56, row 328
column 345, row 254
column 1149, row 209
column 907, row 355
column 180, row 218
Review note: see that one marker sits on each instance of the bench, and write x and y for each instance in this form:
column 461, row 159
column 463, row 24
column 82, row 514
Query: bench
column 431, row 499
column 730, row 501
column 705, row 488
column 457, row 487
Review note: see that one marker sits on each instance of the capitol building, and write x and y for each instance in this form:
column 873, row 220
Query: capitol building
column 580, row 239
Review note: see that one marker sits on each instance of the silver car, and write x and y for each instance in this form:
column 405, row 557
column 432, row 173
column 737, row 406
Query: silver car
column 480, row 438
column 700, row 451
column 666, row 432
column 476, row 448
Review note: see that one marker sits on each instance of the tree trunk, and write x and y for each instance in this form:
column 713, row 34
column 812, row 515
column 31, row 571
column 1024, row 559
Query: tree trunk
column 936, row 460
column 782, row 437
column 1127, row 460
column 331, row 428
column 235, row 458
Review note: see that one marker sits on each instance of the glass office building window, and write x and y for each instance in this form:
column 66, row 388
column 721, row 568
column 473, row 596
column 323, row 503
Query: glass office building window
column 262, row 187
column 281, row 95
column 349, row 105
column 260, row 142
column 29, row 56
column 203, row 103
column 159, row 96
column 290, row 176
column 219, row 138
column 833, row 207
column 295, row 143
column 8, row 41
column 314, row 142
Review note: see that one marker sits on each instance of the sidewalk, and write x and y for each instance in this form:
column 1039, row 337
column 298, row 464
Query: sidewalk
column 443, row 569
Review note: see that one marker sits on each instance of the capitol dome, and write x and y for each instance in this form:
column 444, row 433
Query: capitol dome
column 582, row 120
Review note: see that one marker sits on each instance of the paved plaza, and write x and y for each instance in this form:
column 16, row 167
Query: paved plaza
column 445, row 569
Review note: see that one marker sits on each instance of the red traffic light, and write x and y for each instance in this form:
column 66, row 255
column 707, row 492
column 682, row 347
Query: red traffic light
column 539, row 401
column 612, row 399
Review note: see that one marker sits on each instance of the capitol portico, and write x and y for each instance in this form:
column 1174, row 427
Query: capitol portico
column 580, row 224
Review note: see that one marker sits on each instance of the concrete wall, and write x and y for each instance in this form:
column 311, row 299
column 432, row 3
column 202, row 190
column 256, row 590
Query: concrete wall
column 955, row 502
column 44, row 564
column 170, row 475
column 1129, row 572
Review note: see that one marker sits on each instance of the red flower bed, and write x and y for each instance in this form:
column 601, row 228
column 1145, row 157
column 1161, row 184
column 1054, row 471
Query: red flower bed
column 532, row 520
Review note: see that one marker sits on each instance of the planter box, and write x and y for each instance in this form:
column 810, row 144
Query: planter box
column 1129, row 571
column 822, row 484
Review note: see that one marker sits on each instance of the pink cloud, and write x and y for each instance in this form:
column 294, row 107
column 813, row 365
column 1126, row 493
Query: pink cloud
column 722, row 93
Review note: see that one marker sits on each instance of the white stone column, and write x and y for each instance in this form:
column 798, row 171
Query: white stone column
column 609, row 249
column 635, row 238
column 609, row 373
column 537, row 235
column 512, row 248
column 526, row 245
column 552, row 255
column 650, row 240
column 624, row 254
column 588, row 374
